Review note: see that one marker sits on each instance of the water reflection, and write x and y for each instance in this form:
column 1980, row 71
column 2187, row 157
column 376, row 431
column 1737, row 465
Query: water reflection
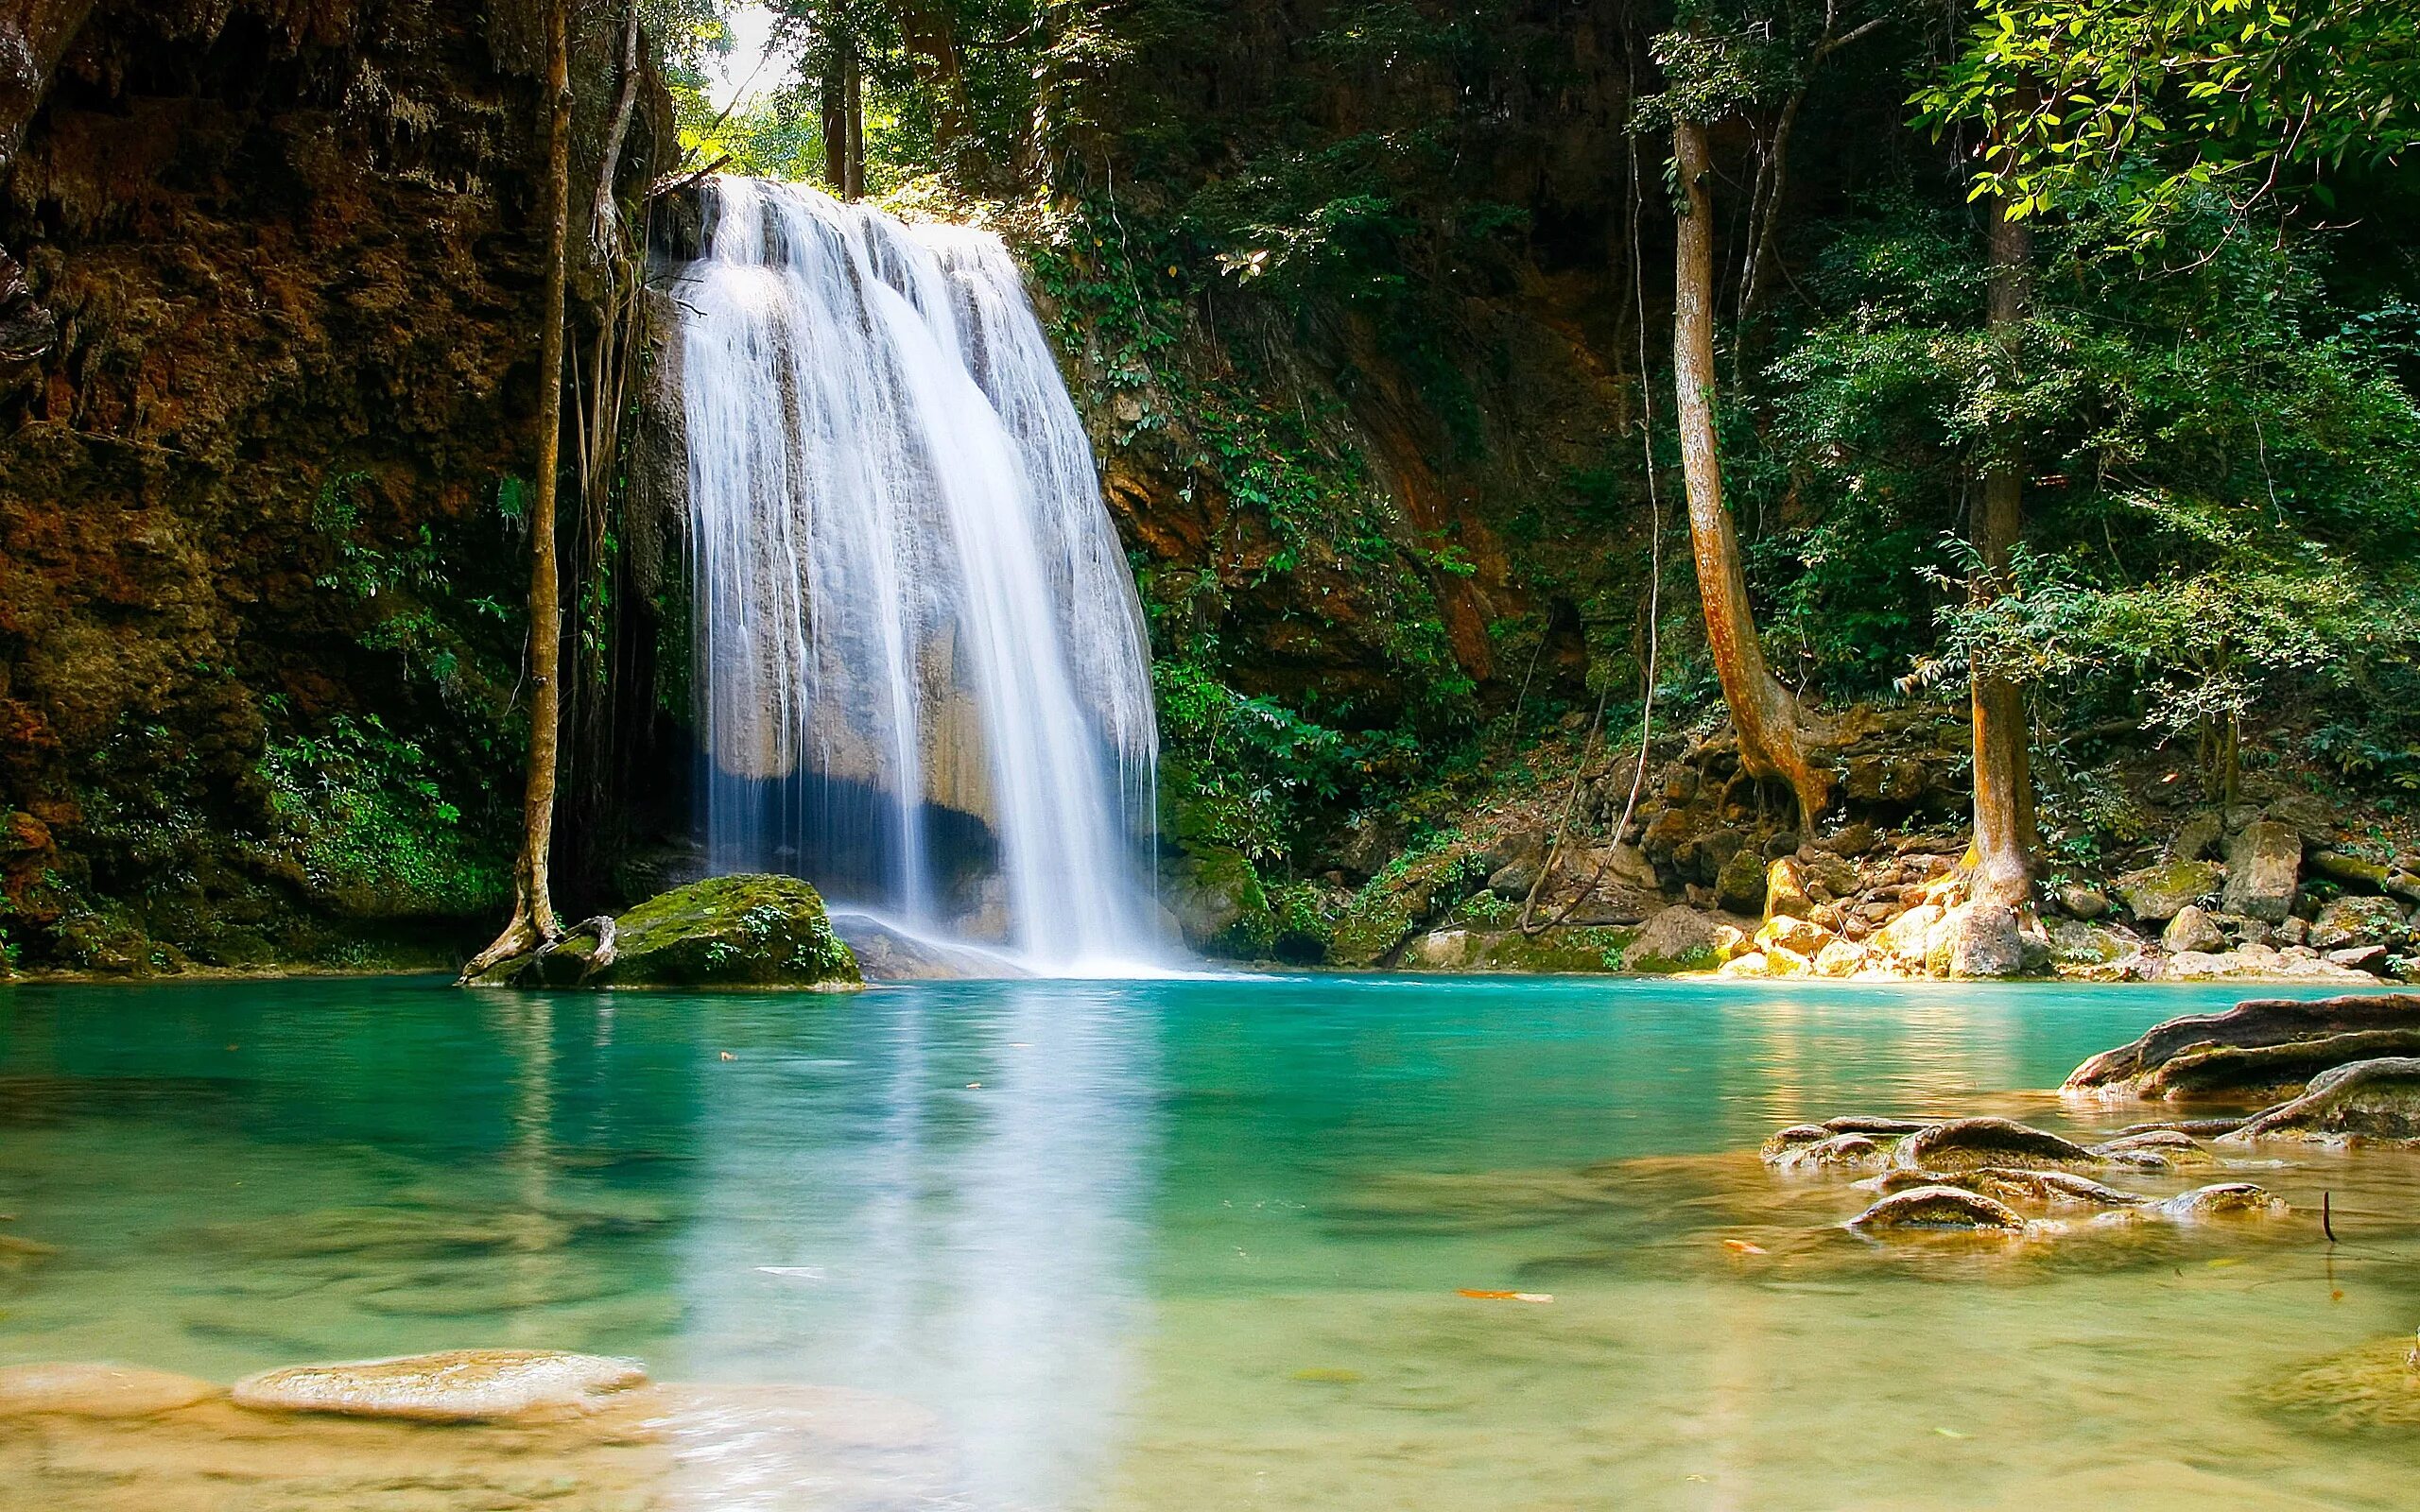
column 957, row 1211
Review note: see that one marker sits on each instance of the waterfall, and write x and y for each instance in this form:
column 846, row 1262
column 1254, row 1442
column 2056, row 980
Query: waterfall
column 920, row 675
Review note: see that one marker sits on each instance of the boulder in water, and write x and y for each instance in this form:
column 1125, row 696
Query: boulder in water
column 2258, row 1022
column 1940, row 1207
column 78, row 1390
column 455, row 1387
column 2269, row 1070
column 2374, row 1100
column 2225, row 1199
column 886, row 953
column 1966, row 1142
column 753, row 930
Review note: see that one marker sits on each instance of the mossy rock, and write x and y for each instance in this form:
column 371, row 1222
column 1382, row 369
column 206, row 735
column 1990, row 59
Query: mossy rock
column 753, row 930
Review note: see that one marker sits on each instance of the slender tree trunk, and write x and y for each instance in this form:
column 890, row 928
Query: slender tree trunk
column 601, row 214
column 1775, row 733
column 533, row 911
column 855, row 188
column 2005, row 839
column 835, row 98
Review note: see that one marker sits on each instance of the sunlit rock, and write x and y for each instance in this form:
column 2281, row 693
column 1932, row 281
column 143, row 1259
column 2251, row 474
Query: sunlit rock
column 458, row 1385
column 79, row 1390
column 1964, row 1143
column 2368, row 1100
column 1940, row 1207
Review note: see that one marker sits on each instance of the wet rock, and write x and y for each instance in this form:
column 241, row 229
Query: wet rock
column 2159, row 894
column 2264, row 864
column 1940, row 1207
column 1839, row 1152
column 1840, row 958
column 1796, row 1137
column 1802, row 936
column 1875, row 1124
column 2358, row 922
column 2170, row 1148
column 1976, row 940
column 750, row 930
column 2082, row 901
column 1786, row 894
column 2360, row 957
column 2049, row 1188
column 1739, row 886
column 2266, row 1071
column 1751, row 964
column 1965, row 1143
column 2367, row 1100
column 77, row 1390
column 458, row 1385
column 2254, row 1023
column 2375, row 1386
column 2192, row 930
column 886, row 952
column 2226, row 1199
column 1780, row 962
column 1680, row 938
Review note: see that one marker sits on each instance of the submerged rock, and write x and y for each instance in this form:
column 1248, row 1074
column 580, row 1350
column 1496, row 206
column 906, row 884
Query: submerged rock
column 2225, row 1199
column 2225, row 1071
column 78, row 1390
column 2049, row 1188
column 458, row 1385
column 1965, row 1143
column 1840, row 1151
column 1940, row 1207
column 2367, row 1100
column 752, row 930
column 886, row 952
column 2258, row 1022
column 2375, row 1386
column 2168, row 1148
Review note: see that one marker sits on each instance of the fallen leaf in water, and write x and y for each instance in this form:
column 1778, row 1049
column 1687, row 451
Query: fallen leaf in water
column 728, row 1056
column 1507, row 1296
column 812, row 1272
column 2335, row 1296
column 2226, row 1259
column 1951, row 1433
column 972, row 1085
column 1742, row 1247
column 1328, row 1377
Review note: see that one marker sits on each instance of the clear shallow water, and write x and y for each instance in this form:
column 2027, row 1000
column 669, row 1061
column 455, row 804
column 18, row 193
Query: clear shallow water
column 1198, row 1243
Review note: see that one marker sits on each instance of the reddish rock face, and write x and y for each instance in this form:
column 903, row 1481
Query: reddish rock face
column 252, row 482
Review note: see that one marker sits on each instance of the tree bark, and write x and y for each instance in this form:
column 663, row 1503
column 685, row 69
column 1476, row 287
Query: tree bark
column 601, row 215
column 533, row 921
column 857, row 122
column 2005, row 837
column 1775, row 735
column 844, row 130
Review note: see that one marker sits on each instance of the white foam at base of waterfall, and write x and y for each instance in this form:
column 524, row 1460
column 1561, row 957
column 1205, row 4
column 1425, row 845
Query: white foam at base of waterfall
column 911, row 611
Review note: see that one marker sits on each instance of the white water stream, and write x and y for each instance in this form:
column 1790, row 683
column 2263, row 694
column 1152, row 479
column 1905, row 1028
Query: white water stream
column 922, row 679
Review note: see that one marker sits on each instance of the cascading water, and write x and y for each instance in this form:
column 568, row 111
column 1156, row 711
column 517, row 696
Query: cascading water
column 920, row 668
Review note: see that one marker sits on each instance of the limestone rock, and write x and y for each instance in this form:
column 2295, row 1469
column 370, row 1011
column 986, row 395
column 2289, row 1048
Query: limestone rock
column 1941, row 1206
column 2082, row 901
column 2091, row 947
column 1751, row 964
column 2164, row 1148
column 1786, row 894
column 1904, row 936
column 1976, row 940
column 1964, row 1143
column 458, row 1385
column 2054, row 1189
column 750, row 930
column 1739, row 887
column 2353, row 920
column 1215, row 889
column 2159, row 894
column 2197, row 837
column 2226, row 1199
column 1796, row 1137
column 1680, row 938
column 77, row 1390
column 2256, row 1022
column 1781, row 962
column 1800, row 935
column 886, row 952
column 1840, row 1152
column 2264, row 864
column 2269, row 1070
column 2192, row 930
column 2366, row 1100
column 1839, row 957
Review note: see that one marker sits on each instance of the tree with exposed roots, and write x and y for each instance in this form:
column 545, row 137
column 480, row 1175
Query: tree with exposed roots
column 533, row 923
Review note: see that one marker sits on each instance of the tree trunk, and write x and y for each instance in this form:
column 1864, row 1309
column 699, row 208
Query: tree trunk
column 533, row 910
column 1774, row 733
column 2005, row 839
column 601, row 214
column 931, row 35
column 855, row 188
column 835, row 98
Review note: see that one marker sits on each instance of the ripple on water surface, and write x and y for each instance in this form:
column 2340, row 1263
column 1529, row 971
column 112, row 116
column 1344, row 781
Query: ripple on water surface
column 1165, row 1245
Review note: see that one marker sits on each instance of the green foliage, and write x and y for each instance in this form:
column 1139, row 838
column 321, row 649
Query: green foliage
column 2161, row 100
column 362, row 811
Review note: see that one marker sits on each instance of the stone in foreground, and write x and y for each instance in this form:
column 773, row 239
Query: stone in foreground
column 2247, row 1025
column 1965, row 1143
column 79, row 1390
column 455, row 1387
column 1941, row 1208
column 2372, row 1100
column 749, row 931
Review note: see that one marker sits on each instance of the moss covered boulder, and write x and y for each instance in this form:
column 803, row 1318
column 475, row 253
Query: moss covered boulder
column 752, row 930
